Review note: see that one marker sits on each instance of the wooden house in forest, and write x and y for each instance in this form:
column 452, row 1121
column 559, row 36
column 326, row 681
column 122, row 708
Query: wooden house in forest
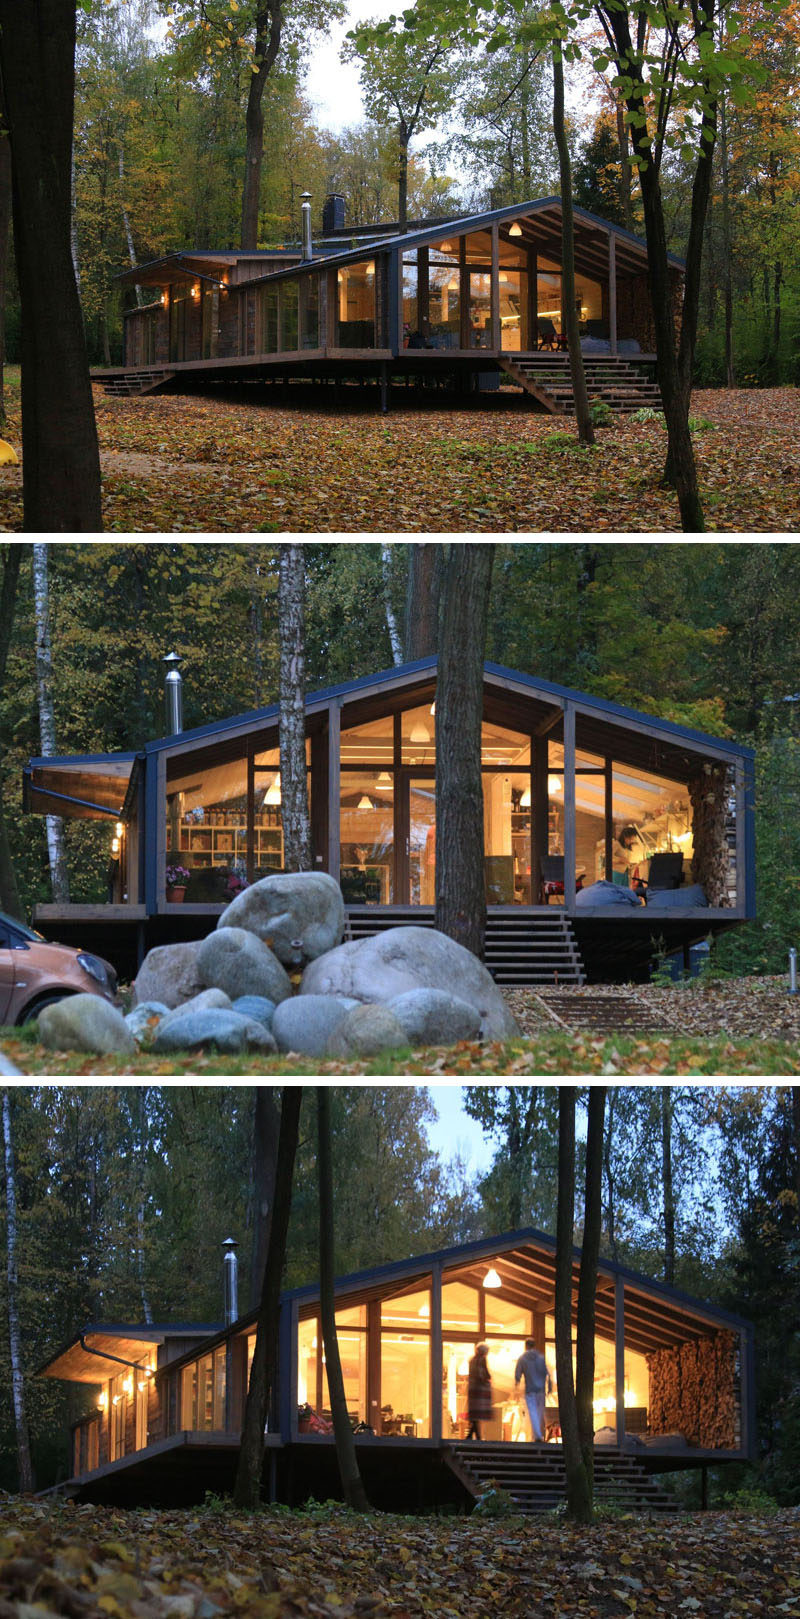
column 609, row 834
column 469, row 303
column 673, row 1387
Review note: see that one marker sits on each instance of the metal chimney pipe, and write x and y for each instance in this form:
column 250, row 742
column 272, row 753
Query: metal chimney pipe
column 173, row 694
column 308, row 251
column 231, row 1265
column 793, row 971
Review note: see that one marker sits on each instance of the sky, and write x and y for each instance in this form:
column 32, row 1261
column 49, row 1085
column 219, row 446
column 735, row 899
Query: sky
column 455, row 1131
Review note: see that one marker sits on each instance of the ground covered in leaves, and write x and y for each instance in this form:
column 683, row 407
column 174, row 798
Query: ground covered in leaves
column 175, row 464
column 95, row 1563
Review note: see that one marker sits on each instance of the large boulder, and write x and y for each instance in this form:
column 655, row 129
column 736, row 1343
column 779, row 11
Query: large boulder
column 306, row 1023
column 237, row 960
column 169, row 974
column 85, row 1023
column 432, row 1017
column 366, row 1031
column 219, row 1026
column 300, row 915
column 401, row 959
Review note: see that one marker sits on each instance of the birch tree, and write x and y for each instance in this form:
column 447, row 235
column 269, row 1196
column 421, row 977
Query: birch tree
column 26, row 1482
column 59, row 877
column 391, row 618
column 11, row 557
column 294, row 786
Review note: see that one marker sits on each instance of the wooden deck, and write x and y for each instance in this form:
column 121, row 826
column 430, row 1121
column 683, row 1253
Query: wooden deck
column 400, row 1474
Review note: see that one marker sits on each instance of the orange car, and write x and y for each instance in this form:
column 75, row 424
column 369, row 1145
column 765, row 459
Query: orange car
column 34, row 973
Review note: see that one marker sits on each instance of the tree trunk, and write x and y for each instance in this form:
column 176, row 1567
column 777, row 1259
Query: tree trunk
column 61, row 462
column 127, row 228
column 727, row 274
column 624, row 163
column 587, row 1287
column 354, row 1493
column 269, row 25
column 611, row 1193
column 460, row 884
column 247, row 1489
column 59, row 877
column 294, row 785
column 579, row 1499
column 425, row 569
column 25, row 1467
column 73, row 223
column 11, row 556
column 570, row 318
column 391, row 620
column 5, row 231
column 141, row 1161
column 403, row 138
column 667, row 1187
column 266, row 1126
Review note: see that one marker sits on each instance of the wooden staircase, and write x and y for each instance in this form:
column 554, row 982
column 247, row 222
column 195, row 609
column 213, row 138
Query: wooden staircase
column 608, row 377
column 533, row 1474
column 125, row 383
column 532, row 948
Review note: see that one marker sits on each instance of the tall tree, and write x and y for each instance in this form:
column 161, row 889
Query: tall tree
column 61, row 460
column 425, row 568
column 294, row 784
column 352, row 1484
column 59, row 879
column 247, row 1489
column 575, row 1396
column 569, row 312
column 407, row 82
column 266, row 1126
column 460, row 883
column 5, row 232
column 26, row 1482
column 11, row 556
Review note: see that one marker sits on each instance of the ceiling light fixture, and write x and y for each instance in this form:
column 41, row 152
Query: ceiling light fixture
column 273, row 793
column 364, row 802
column 515, row 229
column 492, row 1279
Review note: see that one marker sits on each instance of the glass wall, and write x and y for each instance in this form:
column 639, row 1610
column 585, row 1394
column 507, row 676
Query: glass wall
column 267, row 316
column 309, row 311
column 405, row 1367
column 650, row 815
column 367, row 837
column 206, row 833
column 289, row 308
column 588, row 300
column 444, row 296
column 356, row 306
column 312, row 1377
column 203, row 1393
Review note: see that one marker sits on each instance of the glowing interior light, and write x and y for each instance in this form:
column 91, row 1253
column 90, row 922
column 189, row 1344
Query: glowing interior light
column 273, row 793
column 491, row 1279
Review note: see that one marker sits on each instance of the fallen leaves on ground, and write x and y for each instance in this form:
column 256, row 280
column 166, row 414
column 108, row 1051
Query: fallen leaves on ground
column 100, row 1563
column 188, row 464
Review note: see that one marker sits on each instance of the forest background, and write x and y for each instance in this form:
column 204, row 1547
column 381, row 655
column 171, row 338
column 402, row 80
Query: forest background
column 159, row 155
column 125, row 1195
column 704, row 634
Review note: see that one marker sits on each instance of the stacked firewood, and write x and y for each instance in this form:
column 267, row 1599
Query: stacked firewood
column 693, row 1391
column 708, row 792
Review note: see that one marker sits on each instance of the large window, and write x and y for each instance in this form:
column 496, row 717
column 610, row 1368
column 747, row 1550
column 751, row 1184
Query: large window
column 312, row 1376
column 203, row 1393
column 356, row 306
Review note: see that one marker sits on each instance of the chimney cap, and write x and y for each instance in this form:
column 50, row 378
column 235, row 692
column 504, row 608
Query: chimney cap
column 172, row 658
column 305, row 196
column 229, row 1243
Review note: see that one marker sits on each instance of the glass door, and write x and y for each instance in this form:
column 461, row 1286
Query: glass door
column 420, row 800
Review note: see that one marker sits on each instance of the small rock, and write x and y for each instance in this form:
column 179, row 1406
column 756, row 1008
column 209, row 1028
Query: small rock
column 144, row 1018
column 431, row 1017
column 306, row 1022
column 257, row 1007
column 212, row 1026
column 85, row 1023
column 365, row 1032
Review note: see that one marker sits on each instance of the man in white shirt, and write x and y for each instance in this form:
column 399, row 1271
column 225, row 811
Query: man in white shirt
column 531, row 1368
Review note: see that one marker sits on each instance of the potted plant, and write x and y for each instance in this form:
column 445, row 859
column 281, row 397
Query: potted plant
column 177, row 878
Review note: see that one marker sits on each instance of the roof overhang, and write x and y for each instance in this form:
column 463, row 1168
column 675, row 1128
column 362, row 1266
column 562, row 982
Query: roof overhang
column 90, row 787
column 100, row 1353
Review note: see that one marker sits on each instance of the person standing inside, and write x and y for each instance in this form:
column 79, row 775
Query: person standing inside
column 531, row 1369
column 479, row 1391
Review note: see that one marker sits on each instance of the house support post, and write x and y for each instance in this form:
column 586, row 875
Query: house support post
column 494, row 291
column 609, row 819
column 436, row 1353
column 612, row 291
column 384, row 388
column 539, row 806
column 569, row 807
column 619, row 1357
column 334, row 789
column 704, row 1488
